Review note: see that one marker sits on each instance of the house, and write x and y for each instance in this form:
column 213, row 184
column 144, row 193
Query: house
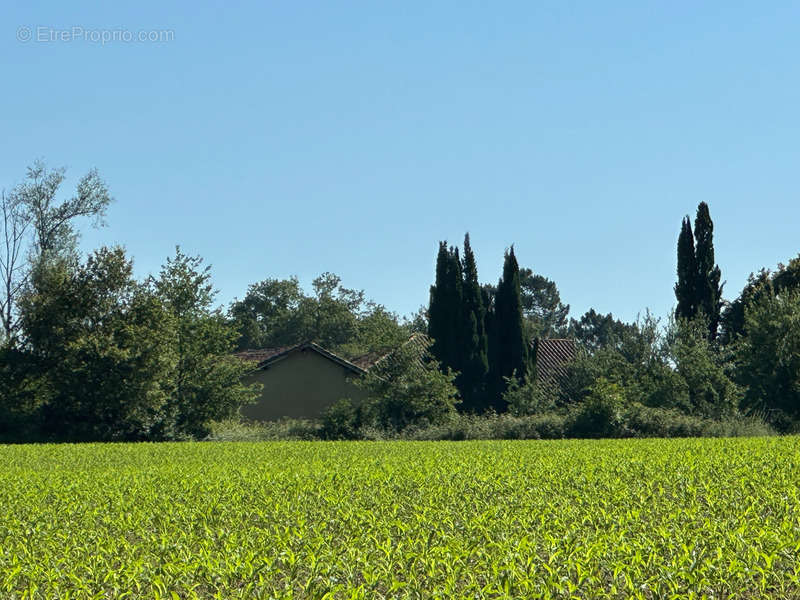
column 300, row 381
column 552, row 358
column 303, row 380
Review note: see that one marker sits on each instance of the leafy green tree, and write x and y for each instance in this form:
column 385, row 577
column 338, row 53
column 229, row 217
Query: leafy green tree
column 36, row 228
column 330, row 318
column 686, row 287
column 708, row 288
column 408, row 387
column 277, row 313
column 677, row 369
column 418, row 321
column 595, row 331
column 204, row 380
column 544, row 314
column 765, row 283
column 269, row 315
column 732, row 318
column 639, row 363
column 787, row 277
column 52, row 221
column 22, row 393
column 378, row 332
column 508, row 347
column 768, row 357
column 706, row 370
column 475, row 361
column 99, row 341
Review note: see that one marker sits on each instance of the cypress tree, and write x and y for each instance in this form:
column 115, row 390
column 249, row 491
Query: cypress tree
column 474, row 360
column 437, row 309
column 445, row 309
column 488, row 293
column 455, row 282
column 708, row 289
column 685, row 289
column 508, row 347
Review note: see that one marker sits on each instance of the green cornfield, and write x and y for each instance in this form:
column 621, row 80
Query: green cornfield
column 710, row 518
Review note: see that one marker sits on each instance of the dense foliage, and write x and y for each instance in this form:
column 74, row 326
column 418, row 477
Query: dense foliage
column 87, row 352
column 564, row 519
column 407, row 387
column 276, row 313
column 104, row 357
column 769, row 357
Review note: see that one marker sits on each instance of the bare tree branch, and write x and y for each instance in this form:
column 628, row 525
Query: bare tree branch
column 15, row 223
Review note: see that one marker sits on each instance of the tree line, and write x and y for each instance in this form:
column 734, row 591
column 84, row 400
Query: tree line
column 713, row 359
column 88, row 352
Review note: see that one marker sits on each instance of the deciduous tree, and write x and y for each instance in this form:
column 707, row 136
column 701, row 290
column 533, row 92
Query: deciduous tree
column 36, row 228
column 768, row 357
column 99, row 343
column 204, row 379
column 409, row 387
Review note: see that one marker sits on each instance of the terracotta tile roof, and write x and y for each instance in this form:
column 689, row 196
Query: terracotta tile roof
column 365, row 361
column 259, row 356
column 418, row 342
column 264, row 357
column 552, row 358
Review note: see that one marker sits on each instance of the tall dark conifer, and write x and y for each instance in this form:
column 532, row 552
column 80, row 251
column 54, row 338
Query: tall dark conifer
column 475, row 364
column 708, row 288
column 455, row 283
column 445, row 309
column 508, row 346
column 686, row 287
column 437, row 309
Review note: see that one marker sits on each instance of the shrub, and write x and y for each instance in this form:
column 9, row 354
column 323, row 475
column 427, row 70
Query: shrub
column 408, row 388
column 645, row 421
column 235, row 430
column 529, row 396
column 600, row 415
column 342, row 421
column 492, row 426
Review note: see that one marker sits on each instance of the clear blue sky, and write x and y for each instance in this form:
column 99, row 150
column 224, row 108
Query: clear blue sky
column 295, row 138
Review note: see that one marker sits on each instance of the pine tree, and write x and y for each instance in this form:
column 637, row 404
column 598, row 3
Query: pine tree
column 685, row 288
column 475, row 363
column 708, row 288
column 508, row 346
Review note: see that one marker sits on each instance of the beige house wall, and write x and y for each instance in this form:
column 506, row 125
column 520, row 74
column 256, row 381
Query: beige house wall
column 301, row 385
